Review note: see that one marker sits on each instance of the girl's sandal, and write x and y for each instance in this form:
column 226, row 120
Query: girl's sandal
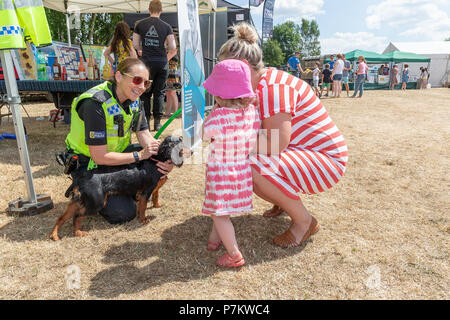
column 227, row 261
column 213, row 245
column 274, row 212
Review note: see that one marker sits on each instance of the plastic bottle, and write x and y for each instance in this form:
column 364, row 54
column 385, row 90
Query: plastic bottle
column 90, row 67
column 56, row 70
column 41, row 67
column 106, row 71
column 96, row 72
column 64, row 74
column 82, row 69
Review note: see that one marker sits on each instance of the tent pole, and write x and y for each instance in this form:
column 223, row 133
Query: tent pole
column 14, row 100
column 68, row 30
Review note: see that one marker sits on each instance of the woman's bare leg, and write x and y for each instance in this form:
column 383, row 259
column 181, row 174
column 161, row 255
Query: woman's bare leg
column 301, row 219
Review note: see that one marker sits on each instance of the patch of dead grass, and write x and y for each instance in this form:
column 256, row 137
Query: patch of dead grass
column 390, row 212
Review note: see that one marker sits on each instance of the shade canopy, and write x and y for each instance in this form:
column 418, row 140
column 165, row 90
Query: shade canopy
column 400, row 56
column 117, row 6
column 371, row 57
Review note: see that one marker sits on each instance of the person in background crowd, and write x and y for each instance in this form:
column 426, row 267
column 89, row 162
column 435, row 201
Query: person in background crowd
column 120, row 46
column 345, row 74
column 326, row 79
column 361, row 77
column 386, row 70
column 331, row 63
column 149, row 38
column 394, row 79
column 337, row 76
column 294, row 65
column 424, row 76
column 405, row 76
column 171, row 91
column 316, row 73
column 380, row 70
column 419, row 79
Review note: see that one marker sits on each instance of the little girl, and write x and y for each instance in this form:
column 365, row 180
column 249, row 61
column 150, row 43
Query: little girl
column 232, row 128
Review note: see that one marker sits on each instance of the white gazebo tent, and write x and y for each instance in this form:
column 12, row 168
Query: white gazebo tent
column 70, row 7
column 437, row 51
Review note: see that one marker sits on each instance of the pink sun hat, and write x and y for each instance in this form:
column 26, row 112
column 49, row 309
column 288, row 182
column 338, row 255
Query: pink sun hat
column 230, row 79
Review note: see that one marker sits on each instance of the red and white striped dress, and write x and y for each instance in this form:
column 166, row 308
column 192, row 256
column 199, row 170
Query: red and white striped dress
column 228, row 186
column 316, row 156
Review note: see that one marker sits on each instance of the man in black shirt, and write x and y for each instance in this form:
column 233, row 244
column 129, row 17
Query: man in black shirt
column 150, row 36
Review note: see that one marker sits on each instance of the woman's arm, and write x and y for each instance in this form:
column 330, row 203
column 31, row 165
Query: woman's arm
column 101, row 155
column 275, row 134
column 107, row 55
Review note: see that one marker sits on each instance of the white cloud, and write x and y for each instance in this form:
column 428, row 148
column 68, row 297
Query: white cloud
column 345, row 42
column 424, row 18
column 295, row 10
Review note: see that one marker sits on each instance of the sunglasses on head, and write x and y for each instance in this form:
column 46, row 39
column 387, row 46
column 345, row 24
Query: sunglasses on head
column 138, row 80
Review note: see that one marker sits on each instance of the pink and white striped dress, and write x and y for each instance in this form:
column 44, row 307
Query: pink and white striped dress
column 228, row 186
column 317, row 154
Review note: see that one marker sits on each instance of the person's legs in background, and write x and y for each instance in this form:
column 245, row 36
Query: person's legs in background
column 159, row 76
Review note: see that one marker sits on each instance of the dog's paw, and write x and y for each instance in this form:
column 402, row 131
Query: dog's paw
column 145, row 220
column 54, row 236
column 80, row 233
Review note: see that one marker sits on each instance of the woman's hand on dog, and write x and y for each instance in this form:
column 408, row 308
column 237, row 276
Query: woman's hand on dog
column 149, row 150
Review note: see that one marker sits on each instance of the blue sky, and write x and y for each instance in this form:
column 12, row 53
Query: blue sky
column 365, row 24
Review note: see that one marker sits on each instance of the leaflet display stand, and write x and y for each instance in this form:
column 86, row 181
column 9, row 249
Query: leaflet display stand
column 36, row 203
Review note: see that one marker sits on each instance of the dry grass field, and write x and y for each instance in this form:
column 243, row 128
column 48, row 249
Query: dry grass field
column 384, row 233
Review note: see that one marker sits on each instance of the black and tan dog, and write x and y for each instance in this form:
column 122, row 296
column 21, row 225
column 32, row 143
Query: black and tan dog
column 90, row 190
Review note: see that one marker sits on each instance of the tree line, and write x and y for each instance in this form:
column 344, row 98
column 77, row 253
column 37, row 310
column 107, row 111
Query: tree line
column 290, row 37
column 94, row 28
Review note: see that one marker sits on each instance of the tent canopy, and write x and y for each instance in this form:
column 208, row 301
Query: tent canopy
column 400, row 56
column 371, row 57
column 116, row 6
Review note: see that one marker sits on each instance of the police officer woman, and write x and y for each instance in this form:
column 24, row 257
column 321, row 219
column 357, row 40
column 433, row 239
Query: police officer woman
column 103, row 117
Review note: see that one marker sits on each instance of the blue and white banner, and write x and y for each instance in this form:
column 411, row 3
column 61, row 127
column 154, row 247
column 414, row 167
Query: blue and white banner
column 267, row 25
column 255, row 3
column 193, row 74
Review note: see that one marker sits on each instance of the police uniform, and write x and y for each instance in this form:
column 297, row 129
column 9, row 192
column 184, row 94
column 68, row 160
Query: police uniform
column 97, row 118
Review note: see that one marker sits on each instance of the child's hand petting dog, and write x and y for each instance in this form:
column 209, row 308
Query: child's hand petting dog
column 164, row 167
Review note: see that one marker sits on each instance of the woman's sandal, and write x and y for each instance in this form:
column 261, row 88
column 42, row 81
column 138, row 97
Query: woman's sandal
column 227, row 261
column 213, row 245
column 274, row 212
column 288, row 240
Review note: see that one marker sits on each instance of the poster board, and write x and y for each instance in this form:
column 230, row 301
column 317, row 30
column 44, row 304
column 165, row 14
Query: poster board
column 25, row 62
column 192, row 73
column 97, row 54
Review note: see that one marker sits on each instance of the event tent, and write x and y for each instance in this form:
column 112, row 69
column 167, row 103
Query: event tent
column 400, row 56
column 114, row 6
column 371, row 57
column 437, row 51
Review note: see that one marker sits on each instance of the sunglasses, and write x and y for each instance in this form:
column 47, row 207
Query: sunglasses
column 138, row 80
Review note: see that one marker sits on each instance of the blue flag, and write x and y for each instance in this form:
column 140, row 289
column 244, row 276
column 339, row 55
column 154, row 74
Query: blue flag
column 255, row 3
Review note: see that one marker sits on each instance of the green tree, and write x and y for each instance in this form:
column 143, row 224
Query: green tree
column 309, row 33
column 272, row 53
column 292, row 37
column 288, row 37
column 95, row 28
column 448, row 39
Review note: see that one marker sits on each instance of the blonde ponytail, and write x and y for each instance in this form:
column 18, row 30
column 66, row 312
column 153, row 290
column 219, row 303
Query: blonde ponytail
column 243, row 46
